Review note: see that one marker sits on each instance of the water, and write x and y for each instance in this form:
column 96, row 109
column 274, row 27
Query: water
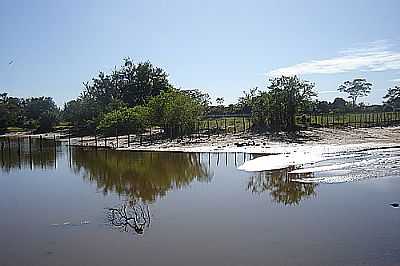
column 74, row 206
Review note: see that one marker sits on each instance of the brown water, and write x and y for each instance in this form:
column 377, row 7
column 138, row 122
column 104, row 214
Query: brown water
column 74, row 206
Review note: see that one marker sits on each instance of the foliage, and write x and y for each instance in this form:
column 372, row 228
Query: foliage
column 219, row 100
column 393, row 96
column 289, row 96
column 125, row 120
column 44, row 111
column 356, row 88
column 175, row 109
column 128, row 86
column 34, row 113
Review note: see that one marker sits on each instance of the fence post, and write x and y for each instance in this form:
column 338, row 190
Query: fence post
column 208, row 127
column 116, row 135
column 129, row 140
column 151, row 136
column 95, row 140
column 225, row 126
column 40, row 142
column 234, row 125
column 244, row 124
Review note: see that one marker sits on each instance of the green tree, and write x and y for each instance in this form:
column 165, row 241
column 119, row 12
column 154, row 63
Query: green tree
column 175, row 109
column 356, row 88
column 125, row 120
column 393, row 96
column 43, row 111
column 288, row 97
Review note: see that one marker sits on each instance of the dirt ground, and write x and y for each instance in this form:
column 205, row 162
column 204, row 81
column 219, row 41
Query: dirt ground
column 246, row 142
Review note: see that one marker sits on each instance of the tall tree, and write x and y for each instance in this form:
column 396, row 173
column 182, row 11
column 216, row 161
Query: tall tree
column 356, row 88
column 393, row 96
column 288, row 96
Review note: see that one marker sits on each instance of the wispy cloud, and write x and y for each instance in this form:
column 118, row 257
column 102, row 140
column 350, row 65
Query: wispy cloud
column 376, row 56
column 395, row 80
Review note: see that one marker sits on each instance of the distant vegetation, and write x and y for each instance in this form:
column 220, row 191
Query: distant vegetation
column 138, row 95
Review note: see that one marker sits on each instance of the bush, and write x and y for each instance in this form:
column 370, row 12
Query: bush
column 175, row 109
column 125, row 120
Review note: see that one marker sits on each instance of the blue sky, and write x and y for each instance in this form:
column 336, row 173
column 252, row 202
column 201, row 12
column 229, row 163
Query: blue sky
column 221, row 47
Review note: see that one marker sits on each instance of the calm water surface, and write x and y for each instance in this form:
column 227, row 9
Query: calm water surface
column 74, row 206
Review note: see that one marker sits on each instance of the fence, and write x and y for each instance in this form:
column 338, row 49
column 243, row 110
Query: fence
column 350, row 119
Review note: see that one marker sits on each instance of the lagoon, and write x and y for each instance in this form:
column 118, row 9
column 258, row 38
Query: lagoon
column 80, row 206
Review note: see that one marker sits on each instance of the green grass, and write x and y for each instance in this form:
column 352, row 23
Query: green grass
column 228, row 124
column 353, row 119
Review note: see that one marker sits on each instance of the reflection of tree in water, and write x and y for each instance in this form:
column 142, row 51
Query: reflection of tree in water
column 139, row 175
column 21, row 156
column 133, row 218
column 280, row 187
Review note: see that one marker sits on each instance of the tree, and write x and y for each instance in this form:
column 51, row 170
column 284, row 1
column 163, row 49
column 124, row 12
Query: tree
column 393, row 96
column 175, row 109
column 356, row 88
column 246, row 101
column 220, row 100
column 125, row 120
column 339, row 104
column 11, row 111
column 288, row 96
column 43, row 111
column 127, row 86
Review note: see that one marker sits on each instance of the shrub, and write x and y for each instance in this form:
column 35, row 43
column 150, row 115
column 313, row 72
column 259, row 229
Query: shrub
column 125, row 120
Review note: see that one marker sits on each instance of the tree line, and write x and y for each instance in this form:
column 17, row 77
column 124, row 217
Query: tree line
column 136, row 95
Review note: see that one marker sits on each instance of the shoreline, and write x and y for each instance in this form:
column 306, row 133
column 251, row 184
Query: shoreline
column 247, row 142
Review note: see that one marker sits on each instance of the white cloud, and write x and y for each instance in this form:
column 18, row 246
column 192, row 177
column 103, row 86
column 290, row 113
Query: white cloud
column 395, row 80
column 376, row 56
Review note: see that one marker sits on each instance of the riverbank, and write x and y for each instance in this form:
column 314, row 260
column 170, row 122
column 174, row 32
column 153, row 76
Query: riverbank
column 241, row 142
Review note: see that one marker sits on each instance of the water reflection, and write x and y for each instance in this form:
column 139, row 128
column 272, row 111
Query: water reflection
column 280, row 187
column 133, row 218
column 143, row 176
column 24, row 153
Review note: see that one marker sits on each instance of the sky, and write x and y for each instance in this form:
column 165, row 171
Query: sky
column 222, row 47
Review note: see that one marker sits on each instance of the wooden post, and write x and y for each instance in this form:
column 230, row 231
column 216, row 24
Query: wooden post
column 30, row 144
column 327, row 120
column 129, row 140
column 244, row 124
column 141, row 139
column 208, row 128
column 95, row 140
column 105, row 141
column 116, row 134
column 234, row 125
column 69, row 137
column 225, row 125
column 151, row 137
column 41, row 143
